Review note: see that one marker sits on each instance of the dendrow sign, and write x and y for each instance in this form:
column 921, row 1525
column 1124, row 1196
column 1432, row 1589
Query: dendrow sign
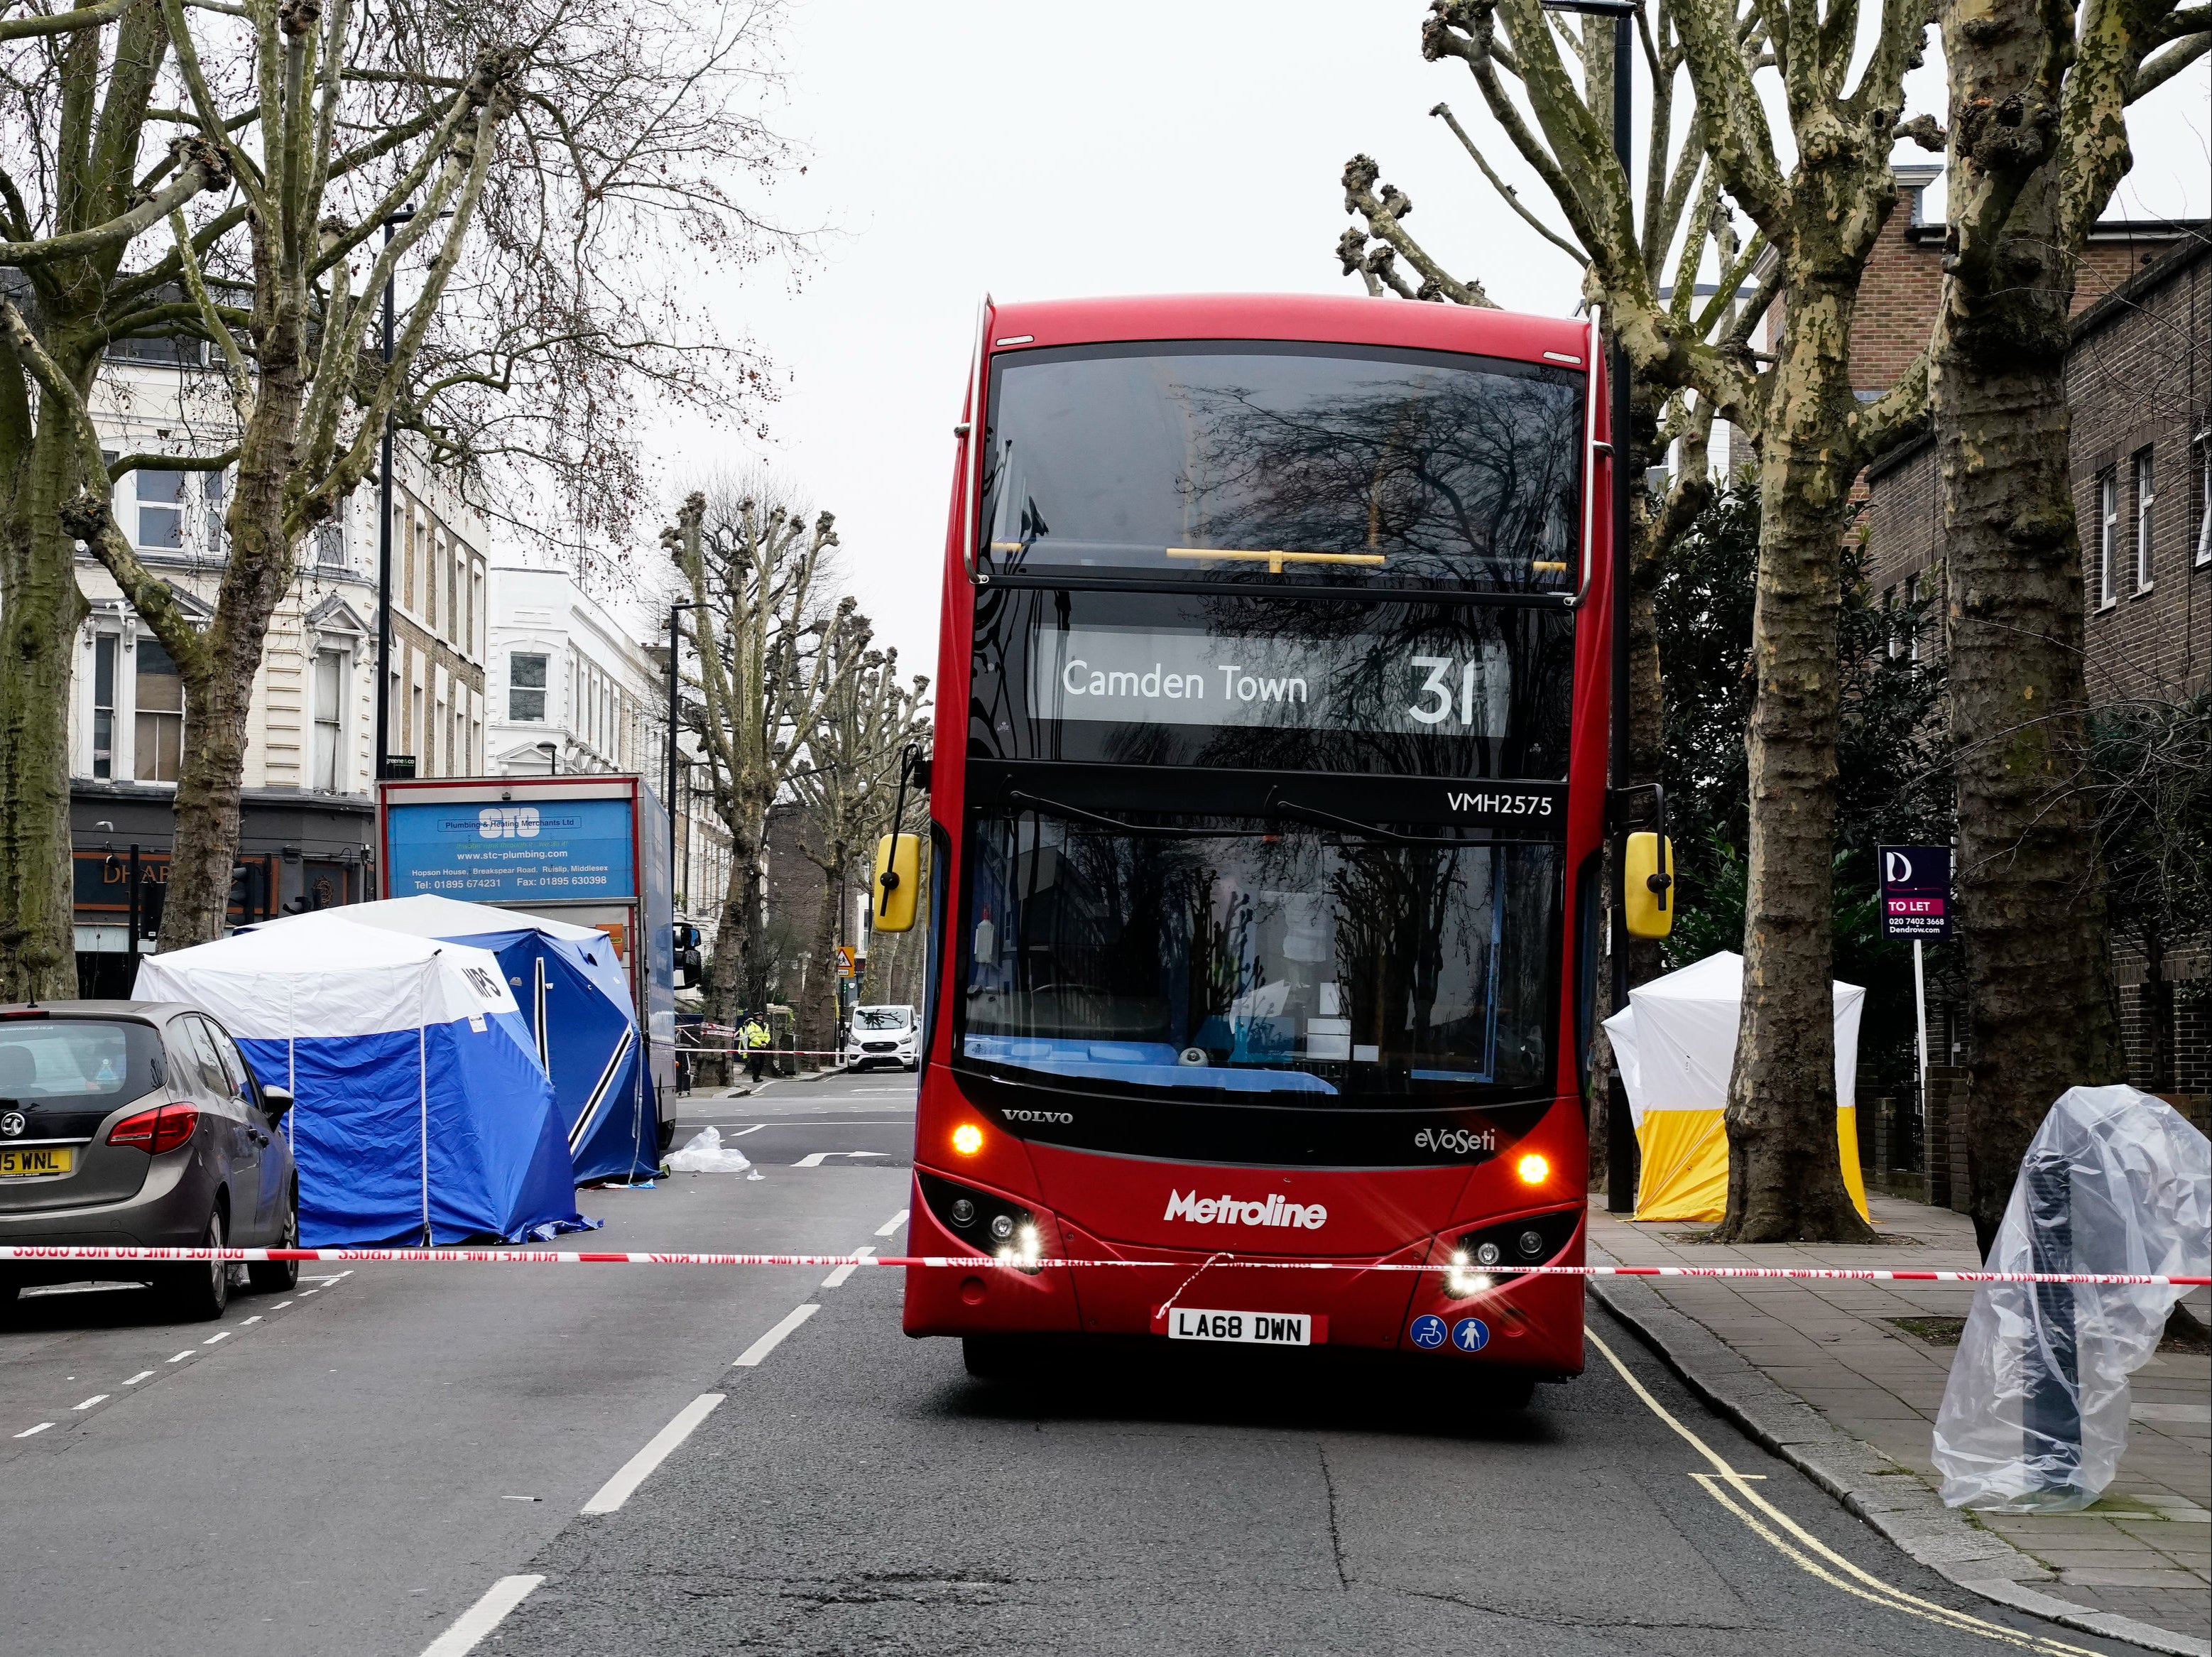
column 1916, row 891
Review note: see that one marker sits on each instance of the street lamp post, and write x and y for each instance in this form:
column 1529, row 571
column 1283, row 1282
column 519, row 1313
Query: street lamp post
column 384, row 540
column 1620, row 1134
column 675, row 716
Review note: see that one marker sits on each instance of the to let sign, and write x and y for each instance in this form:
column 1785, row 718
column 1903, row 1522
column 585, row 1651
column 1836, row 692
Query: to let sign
column 1916, row 891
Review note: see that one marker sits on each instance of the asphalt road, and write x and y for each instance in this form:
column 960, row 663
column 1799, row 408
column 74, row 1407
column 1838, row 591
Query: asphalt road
column 863, row 1116
column 400, row 1463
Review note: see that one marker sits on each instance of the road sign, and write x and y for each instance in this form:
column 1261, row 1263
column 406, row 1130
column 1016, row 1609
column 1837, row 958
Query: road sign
column 1916, row 891
column 845, row 954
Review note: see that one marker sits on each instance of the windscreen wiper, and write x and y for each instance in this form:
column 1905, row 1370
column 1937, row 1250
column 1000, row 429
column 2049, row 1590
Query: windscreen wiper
column 1075, row 814
column 1276, row 806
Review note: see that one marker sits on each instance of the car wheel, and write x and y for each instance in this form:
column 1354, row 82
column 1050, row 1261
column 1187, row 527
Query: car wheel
column 199, row 1292
column 913, row 1064
column 280, row 1276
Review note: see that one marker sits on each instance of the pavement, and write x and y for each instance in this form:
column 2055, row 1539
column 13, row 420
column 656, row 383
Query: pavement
column 1846, row 1379
column 564, row 1462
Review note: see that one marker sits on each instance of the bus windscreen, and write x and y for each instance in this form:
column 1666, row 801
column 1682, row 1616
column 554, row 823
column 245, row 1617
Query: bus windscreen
column 1286, row 965
column 1305, row 464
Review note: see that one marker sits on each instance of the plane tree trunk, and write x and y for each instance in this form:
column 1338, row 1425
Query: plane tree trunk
column 2038, row 143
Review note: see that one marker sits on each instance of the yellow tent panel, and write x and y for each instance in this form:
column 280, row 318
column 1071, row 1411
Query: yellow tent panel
column 1684, row 1164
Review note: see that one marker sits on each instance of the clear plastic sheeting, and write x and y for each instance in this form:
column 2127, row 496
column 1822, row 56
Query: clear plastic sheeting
column 704, row 1153
column 2035, row 1415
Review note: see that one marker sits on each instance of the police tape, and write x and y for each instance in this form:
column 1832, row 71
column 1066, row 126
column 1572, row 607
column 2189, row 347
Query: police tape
column 1027, row 1264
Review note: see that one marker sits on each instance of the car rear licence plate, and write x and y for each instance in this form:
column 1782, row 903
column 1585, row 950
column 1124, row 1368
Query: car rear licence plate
column 35, row 1161
column 1190, row 1323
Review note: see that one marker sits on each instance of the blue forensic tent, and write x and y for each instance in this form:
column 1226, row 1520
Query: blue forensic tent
column 421, row 1113
column 574, row 997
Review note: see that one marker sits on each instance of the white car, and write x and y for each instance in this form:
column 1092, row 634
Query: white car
column 883, row 1035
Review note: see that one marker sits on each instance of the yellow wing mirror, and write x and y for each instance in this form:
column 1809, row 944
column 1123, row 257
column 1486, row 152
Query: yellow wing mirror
column 1648, row 882
column 899, row 882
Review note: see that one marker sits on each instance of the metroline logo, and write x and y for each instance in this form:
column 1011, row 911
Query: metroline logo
column 1228, row 1210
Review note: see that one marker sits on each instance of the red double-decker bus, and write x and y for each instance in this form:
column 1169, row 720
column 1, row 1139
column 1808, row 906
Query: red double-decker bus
column 1266, row 817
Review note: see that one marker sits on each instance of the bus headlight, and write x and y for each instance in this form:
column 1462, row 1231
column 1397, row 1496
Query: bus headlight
column 1493, row 1257
column 988, row 1224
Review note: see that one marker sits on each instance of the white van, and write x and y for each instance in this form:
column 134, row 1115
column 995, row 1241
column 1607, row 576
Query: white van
column 883, row 1035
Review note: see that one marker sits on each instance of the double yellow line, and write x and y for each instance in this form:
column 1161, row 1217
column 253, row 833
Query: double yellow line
column 1734, row 1491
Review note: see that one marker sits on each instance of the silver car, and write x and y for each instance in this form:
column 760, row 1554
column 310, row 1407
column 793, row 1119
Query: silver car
column 138, row 1125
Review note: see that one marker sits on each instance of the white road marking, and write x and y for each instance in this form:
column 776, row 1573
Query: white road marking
column 280, row 1306
column 892, row 1224
column 739, row 1133
column 255, row 1319
column 180, row 1357
column 813, row 1158
column 635, row 1472
column 307, row 1291
column 470, row 1628
column 35, row 1431
column 844, row 1271
column 97, row 1397
column 219, row 1335
column 140, row 1376
column 751, row 1356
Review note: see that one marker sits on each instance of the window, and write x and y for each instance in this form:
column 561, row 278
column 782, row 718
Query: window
column 2146, row 494
column 331, row 538
column 431, row 554
column 1912, row 616
column 161, row 508
column 525, row 688
column 1188, row 462
column 453, row 594
column 211, row 493
column 2204, row 495
column 158, row 732
column 103, row 705
column 330, row 693
column 2108, row 537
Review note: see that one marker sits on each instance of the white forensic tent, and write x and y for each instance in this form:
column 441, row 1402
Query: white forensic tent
column 1675, row 1045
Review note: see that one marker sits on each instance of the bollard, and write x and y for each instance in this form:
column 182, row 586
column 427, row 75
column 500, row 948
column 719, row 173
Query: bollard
column 2051, row 1378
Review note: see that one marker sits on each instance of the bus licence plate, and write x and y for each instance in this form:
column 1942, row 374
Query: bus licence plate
column 36, row 1162
column 1191, row 1323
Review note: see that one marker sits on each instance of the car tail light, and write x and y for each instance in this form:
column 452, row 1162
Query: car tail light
column 161, row 1129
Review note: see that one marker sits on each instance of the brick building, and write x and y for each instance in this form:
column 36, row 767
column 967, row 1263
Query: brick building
column 2139, row 383
column 1904, row 278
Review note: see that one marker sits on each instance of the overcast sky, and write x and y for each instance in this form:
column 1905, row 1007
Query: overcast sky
column 1155, row 146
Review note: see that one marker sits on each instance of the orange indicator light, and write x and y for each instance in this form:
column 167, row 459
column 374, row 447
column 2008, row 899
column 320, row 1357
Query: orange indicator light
column 1533, row 1169
column 967, row 1139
